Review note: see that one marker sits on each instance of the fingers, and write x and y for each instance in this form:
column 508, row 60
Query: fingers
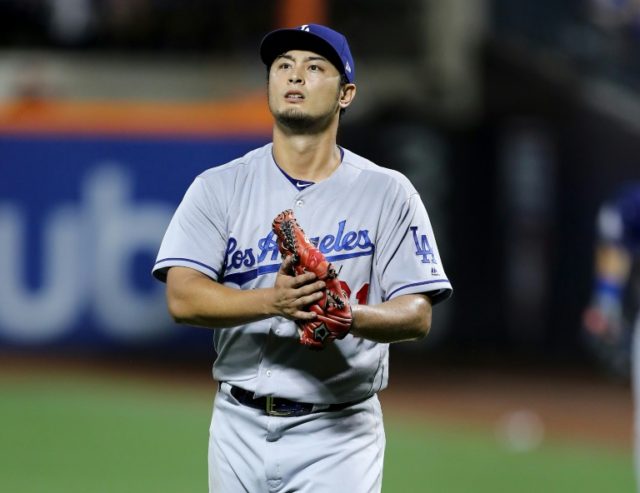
column 298, row 304
column 306, row 289
column 295, row 293
column 299, row 314
column 286, row 267
column 305, row 296
column 303, row 279
column 303, row 315
column 293, row 303
column 310, row 299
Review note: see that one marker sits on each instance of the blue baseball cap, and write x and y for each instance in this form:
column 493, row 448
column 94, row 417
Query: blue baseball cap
column 310, row 37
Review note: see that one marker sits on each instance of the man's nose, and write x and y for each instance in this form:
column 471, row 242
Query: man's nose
column 295, row 78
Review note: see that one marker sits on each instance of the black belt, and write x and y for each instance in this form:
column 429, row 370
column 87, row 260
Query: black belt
column 276, row 406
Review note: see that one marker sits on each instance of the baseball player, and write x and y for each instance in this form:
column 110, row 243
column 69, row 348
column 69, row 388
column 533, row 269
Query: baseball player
column 617, row 250
column 307, row 260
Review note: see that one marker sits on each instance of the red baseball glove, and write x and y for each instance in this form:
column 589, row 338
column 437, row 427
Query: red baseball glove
column 334, row 312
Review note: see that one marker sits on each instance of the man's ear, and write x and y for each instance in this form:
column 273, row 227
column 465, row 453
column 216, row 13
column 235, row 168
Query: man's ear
column 347, row 93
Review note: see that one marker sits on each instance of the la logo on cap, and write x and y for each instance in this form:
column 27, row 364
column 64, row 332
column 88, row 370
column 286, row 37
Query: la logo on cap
column 304, row 27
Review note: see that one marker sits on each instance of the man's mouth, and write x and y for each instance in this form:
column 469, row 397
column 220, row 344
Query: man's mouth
column 294, row 96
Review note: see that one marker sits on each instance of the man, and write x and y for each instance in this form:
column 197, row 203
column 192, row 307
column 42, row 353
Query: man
column 287, row 418
column 617, row 250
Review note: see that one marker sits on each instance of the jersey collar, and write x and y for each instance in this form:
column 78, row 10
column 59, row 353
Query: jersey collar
column 301, row 184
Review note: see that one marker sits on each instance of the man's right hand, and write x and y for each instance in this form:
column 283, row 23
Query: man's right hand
column 293, row 294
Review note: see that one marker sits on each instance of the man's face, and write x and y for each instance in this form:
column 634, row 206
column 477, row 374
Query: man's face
column 304, row 91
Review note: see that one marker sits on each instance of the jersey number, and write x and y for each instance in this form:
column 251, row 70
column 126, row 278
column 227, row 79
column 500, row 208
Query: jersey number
column 361, row 295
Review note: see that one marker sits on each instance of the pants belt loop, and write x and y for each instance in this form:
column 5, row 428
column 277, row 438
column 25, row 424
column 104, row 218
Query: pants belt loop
column 269, row 404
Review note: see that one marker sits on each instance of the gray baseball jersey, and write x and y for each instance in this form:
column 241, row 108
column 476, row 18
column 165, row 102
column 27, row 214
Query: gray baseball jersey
column 367, row 220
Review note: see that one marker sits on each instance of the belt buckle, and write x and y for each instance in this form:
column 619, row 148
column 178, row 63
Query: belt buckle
column 270, row 408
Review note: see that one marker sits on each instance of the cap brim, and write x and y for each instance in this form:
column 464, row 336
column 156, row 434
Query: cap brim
column 278, row 42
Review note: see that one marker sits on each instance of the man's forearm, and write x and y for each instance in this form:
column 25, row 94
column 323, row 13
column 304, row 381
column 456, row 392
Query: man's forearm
column 404, row 318
column 195, row 299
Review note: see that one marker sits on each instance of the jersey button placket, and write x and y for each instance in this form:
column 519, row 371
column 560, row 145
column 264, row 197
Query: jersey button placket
column 299, row 203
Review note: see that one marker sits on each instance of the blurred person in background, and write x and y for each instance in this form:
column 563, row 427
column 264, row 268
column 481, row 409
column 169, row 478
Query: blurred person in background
column 285, row 417
column 71, row 21
column 613, row 317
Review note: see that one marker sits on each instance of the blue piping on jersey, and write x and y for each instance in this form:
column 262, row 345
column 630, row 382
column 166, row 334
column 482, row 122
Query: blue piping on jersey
column 191, row 261
column 414, row 284
column 241, row 278
column 332, row 258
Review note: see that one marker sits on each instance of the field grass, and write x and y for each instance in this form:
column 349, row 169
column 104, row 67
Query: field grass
column 423, row 458
column 96, row 434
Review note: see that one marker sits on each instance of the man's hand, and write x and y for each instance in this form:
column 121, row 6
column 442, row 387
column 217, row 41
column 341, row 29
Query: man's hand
column 333, row 318
column 294, row 294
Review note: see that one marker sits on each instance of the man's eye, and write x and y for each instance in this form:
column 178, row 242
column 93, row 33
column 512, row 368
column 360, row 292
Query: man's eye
column 284, row 65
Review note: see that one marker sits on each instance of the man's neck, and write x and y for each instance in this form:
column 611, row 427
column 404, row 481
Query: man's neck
column 307, row 157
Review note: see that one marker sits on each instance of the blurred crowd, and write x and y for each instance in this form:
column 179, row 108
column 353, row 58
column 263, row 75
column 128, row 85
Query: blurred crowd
column 599, row 35
column 129, row 24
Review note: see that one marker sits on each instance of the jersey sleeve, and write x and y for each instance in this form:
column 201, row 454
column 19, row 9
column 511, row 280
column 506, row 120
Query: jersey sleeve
column 195, row 237
column 408, row 260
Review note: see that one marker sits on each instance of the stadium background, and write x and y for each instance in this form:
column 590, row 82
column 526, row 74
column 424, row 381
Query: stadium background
column 513, row 119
